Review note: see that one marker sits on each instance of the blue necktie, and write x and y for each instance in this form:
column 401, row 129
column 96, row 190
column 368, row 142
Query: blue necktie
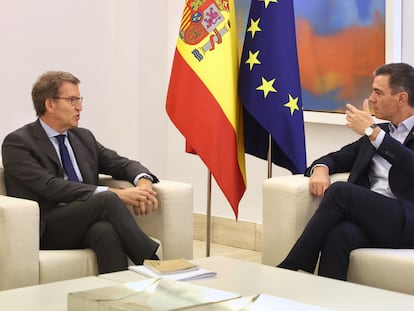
column 67, row 163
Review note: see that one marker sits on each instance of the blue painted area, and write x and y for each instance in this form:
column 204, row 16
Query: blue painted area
column 330, row 16
column 326, row 102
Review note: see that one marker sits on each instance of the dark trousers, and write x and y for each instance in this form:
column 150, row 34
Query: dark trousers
column 348, row 217
column 102, row 223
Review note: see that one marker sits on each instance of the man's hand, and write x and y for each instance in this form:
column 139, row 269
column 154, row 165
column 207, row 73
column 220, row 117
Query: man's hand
column 152, row 202
column 143, row 198
column 319, row 181
column 359, row 120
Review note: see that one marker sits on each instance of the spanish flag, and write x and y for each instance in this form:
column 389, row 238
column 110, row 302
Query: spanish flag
column 202, row 99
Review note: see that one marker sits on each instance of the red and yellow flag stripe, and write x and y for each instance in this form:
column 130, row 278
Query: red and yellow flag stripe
column 202, row 98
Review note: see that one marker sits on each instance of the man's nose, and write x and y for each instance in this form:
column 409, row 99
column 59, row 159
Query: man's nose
column 371, row 97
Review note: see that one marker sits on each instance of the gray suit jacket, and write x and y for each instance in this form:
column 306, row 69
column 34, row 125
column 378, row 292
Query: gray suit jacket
column 33, row 171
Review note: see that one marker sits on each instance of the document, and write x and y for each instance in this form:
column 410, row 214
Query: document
column 170, row 266
column 178, row 276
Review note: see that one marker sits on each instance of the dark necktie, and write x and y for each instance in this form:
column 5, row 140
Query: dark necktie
column 67, row 163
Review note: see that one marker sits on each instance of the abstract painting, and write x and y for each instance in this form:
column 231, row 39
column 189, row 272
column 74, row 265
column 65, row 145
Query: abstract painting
column 340, row 44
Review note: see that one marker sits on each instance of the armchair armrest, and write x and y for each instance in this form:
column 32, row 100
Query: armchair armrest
column 287, row 207
column 172, row 224
column 19, row 242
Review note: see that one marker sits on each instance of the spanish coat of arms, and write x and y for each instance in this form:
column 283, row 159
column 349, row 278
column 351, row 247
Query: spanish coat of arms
column 203, row 19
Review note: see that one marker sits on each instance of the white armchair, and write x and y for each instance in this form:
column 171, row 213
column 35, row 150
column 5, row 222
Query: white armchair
column 287, row 207
column 22, row 264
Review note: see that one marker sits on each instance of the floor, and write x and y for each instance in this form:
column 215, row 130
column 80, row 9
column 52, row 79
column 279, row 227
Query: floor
column 223, row 250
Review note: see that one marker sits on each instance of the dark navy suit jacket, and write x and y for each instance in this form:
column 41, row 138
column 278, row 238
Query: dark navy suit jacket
column 355, row 158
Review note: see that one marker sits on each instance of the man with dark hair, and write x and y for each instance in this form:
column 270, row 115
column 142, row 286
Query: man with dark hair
column 56, row 163
column 375, row 208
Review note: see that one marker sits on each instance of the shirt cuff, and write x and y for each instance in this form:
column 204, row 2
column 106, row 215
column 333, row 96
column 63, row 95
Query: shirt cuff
column 139, row 176
column 100, row 189
column 378, row 141
column 316, row 165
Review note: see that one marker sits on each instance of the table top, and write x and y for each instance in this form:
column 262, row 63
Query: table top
column 48, row 297
column 234, row 275
column 248, row 278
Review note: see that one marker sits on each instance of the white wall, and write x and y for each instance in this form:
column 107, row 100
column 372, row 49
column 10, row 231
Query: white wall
column 73, row 36
column 407, row 26
column 122, row 52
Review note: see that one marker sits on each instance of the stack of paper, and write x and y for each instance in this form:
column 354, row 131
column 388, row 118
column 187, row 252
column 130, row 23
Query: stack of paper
column 177, row 269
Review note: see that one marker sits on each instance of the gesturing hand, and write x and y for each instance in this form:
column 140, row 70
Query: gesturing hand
column 359, row 120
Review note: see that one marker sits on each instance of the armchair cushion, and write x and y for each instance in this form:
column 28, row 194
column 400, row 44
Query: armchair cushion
column 391, row 269
column 57, row 265
column 287, row 207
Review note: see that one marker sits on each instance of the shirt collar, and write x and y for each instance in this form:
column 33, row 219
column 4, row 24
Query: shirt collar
column 49, row 131
column 408, row 124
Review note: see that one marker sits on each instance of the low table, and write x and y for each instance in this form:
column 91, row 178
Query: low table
column 248, row 278
column 47, row 297
column 242, row 277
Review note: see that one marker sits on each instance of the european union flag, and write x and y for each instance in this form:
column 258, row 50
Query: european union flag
column 269, row 85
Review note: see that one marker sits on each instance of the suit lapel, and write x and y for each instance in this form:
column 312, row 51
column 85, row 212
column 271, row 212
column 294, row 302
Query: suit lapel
column 410, row 137
column 81, row 158
column 44, row 144
column 49, row 151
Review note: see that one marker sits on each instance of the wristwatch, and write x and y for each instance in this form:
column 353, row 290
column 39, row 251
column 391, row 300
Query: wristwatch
column 370, row 129
column 147, row 177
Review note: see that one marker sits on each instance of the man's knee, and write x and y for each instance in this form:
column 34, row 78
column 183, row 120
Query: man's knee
column 107, row 197
column 337, row 195
column 337, row 188
column 106, row 203
column 101, row 230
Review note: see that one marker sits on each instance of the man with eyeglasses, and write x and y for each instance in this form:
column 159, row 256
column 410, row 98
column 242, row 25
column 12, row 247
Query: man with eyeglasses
column 56, row 163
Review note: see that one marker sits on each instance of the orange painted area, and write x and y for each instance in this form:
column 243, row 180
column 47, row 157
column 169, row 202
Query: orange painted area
column 339, row 61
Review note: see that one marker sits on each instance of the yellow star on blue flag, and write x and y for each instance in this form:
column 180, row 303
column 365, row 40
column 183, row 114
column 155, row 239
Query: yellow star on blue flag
column 269, row 86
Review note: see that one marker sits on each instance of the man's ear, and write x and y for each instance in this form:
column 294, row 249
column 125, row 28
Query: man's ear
column 402, row 98
column 49, row 104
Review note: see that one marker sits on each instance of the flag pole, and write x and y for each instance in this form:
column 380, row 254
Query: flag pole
column 208, row 223
column 269, row 158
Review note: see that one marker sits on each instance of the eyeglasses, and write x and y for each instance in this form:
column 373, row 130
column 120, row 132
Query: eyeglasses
column 73, row 100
